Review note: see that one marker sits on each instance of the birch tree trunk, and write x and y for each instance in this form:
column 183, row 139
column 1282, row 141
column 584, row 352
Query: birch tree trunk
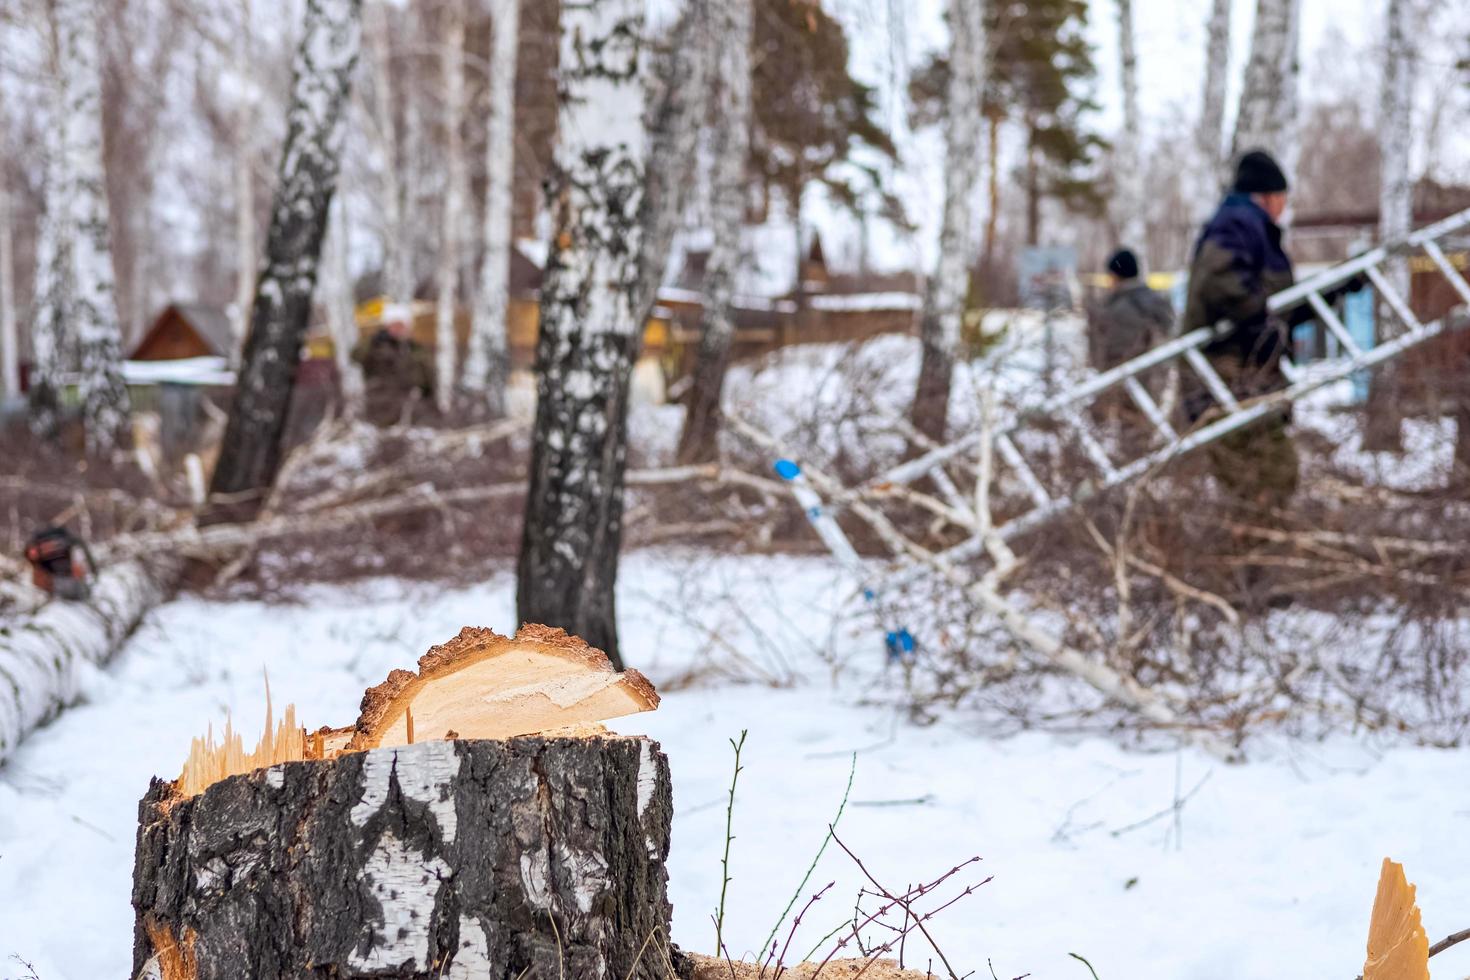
column 1268, row 103
column 487, row 362
column 456, row 194
column 733, row 33
column 247, row 257
column 1132, row 222
column 1212, row 112
column 341, row 318
column 589, row 329
column 44, row 657
column 397, row 263
column 9, row 336
column 1395, row 209
column 463, row 860
column 679, row 95
column 251, row 451
column 75, row 326
column 944, row 301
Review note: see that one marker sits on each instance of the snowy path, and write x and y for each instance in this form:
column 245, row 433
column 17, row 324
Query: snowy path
column 1278, row 862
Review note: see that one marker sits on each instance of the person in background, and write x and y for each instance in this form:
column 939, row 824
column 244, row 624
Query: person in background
column 396, row 371
column 1131, row 320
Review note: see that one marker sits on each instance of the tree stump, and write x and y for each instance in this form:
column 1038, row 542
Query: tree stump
column 540, row 857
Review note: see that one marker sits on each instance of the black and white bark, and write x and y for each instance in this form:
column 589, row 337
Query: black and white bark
column 455, row 200
column 589, row 333
column 1131, row 217
column 1212, row 111
column 46, row 655
column 487, row 361
column 1267, row 117
column 75, row 331
column 677, row 89
column 9, row 335
column 534, row 857
column 321, row 81
column 944, row 300
column 733, row 32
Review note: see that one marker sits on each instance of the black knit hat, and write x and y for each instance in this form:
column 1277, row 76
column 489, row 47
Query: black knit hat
column 1123, row 264
column 1258, row 173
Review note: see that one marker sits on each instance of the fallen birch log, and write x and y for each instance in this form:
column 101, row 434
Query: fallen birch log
column 45, row 653
column 384, row 850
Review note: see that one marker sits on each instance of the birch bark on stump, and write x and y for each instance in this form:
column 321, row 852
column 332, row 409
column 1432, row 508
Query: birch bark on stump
column 487, row 362
column 45, row 655
column 535, row 857
column 251, row 451
column 944, row 301
column 589, row 329
column 734, row 29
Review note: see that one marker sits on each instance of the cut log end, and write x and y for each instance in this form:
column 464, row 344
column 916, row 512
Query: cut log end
column 1398, row 948
column 484, row 685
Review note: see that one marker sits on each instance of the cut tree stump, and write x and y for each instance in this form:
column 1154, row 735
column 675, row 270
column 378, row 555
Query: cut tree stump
column 534, row 857
column 44, row 655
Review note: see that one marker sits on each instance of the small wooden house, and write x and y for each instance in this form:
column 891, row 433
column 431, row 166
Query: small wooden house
column 185, row 330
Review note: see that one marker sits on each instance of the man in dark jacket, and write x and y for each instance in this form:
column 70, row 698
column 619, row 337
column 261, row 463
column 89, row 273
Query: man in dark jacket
column 395, row 369
column 1132, row 319
column 1238, row 263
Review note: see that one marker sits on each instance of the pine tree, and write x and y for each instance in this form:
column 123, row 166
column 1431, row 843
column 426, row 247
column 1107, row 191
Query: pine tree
column 75, row 326
column 307, row 177
column 589, row 329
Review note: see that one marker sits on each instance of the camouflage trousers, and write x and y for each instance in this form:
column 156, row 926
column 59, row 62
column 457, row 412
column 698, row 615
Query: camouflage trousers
column 1258, row 466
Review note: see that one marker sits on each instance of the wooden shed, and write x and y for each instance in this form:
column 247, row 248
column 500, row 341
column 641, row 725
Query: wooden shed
column 185, row 330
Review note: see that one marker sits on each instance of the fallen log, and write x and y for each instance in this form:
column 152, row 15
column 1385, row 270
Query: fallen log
column 530, row 855
column 45, row 653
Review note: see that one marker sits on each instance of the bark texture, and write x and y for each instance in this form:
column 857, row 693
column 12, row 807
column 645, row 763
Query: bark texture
column 75, row 331
column 1267, row 118
column 1212, row 112
column 487, row 362
column 733, row 29
column 9, row 336
column 397, row 257
column 944, row 302
column 456, row 194
column 251, row 451
column 589, row 330
column 341, row 313
column 45, row 656
column 534, row 857
column 1132, row 200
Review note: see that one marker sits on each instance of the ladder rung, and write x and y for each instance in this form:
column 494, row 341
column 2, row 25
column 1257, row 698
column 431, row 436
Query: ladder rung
column 1334, row 325
column 1150, row 408
column 1437, row 256
column 1090, row 445
column 1013, row 458
column 1393, row 299
column 1212, row 380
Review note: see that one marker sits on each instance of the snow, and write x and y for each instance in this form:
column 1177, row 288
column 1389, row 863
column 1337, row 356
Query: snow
column 1268, row 863
column 186, row 370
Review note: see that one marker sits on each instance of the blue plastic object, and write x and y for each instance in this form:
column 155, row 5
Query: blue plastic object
column 787, row 470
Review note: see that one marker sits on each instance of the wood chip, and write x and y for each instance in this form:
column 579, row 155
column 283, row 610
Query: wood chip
column 1398, row 949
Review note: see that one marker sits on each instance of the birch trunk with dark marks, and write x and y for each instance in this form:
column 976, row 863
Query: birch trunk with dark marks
column 678, row 101
column 1132, row 201
column 251, row 451
column 1212, row 111
column 456, row 196
column 487, row 362
column 944, row 301
column 494, row 860
column 1395, row 209
column 733, row 33
column 589, row 329
column 46, row 655
column 75, row 331
column 1267, row 116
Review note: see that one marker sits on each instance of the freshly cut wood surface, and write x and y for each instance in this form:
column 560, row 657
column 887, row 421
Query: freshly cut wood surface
column 209, row 762
column 1398, row 949
column 484, row 685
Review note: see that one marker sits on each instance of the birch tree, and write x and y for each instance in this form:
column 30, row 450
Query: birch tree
column 944, row 301
column 487, row 361
column 1212, row 112
column 1267, row 116
column 456, row 194
column 247, row 255
column 1132, row 223
column 307, row 176
column 75, row 326
column 589, row 328
column 9, row 336
column 397, row 260
column 338, row 301
column 733, row 33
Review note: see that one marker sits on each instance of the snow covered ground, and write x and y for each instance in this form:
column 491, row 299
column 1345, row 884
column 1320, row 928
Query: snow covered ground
column 1268, row 871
